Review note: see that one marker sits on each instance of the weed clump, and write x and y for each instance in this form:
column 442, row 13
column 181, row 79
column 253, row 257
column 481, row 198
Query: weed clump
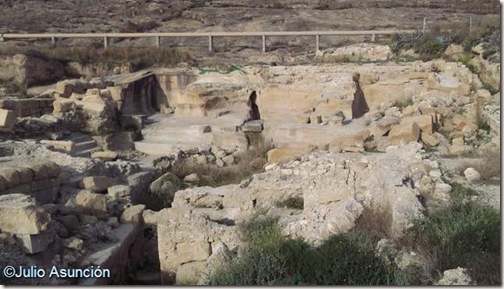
column 464, row 234
column 272, row 259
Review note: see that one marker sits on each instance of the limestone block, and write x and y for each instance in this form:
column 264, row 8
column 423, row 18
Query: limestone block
column 190, row 273
column 119, row 191
column 349, row 141
column 383, row 125
column 150, row 217
column 458, row 146
column 62, row 105
column 7, row 119
column 64, row 88
column 429, row 139
column 424, row 122
column 65, row 145
column 406, row 132
column 91, row 202
column 193, row 251
column 284, row 154
column 460, row 122
column 98, row 184
column 39, row 171
column 26, row 175
column 20, row 215
column 228, row 160
column 105, row 155
column 11, row 177
column 133, row 214
column 253, row 126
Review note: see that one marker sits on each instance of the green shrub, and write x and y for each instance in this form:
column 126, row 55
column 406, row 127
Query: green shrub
column 465, row 234
column 466, row 60
column 272, row 259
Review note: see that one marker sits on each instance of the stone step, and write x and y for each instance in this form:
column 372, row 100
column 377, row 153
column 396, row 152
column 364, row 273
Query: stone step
column 81, row 146
column 178, row 138
column 85, row 153
column 159, row 149
column 78, row 137
column 189, row 130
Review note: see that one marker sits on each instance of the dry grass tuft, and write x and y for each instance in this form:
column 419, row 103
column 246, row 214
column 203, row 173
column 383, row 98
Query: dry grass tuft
column 249, row 163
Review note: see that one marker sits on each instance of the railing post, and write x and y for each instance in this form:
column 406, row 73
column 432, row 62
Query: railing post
column 424, row 24
column 317, row 42
column 2, row 39
column 470, row 26
column 264, row 43
column 158, row 41
column 105, row 42
column 210, row 43
column 373, row 37
column 53, row 40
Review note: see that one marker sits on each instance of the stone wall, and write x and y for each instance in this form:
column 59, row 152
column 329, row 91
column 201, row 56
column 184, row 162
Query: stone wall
column 35, row 107
column 41, row 181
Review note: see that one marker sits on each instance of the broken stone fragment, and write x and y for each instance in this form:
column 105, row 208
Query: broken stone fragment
column 429, row 139
column 74, row 243
column 472, row 174
column 192, row 178
column 133, row 214
column 98, row 184
column 105, row 155
column 91, row 202
column 20, row 215
column 119, row 191
column 405, row 132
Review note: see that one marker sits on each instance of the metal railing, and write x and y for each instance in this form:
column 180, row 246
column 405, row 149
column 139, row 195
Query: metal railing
column 210, row 35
